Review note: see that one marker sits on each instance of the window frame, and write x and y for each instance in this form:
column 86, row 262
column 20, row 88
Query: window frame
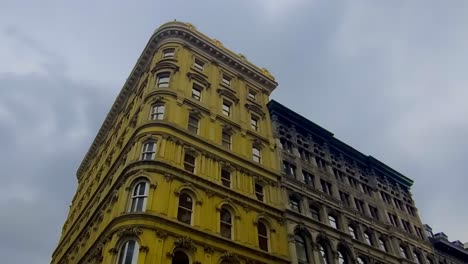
column 145, row 151
column 135, row 198
column 256, row 154
column 193, row 127
column 265, row 246
column 226, row 178
column 259, row 192
column 225, row 224
column 188, row 165
column 254, row 122
column 156, row 113
column 197, row 92
column 181, row 209
column 199, row 64
column 167, row 53
column 163, row 82
column 124, row 250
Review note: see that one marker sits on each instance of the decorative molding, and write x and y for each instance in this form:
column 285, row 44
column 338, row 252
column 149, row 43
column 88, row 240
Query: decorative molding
column 129, row 231
column 230, row 257
column 185, row 242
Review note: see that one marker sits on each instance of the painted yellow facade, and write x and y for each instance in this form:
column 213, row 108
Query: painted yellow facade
column 136, row 182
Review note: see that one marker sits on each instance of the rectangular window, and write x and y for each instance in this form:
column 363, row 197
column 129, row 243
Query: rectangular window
column 352, row 232
column 162, row 79
column 374, row 212
column 419, row 232
column 305, row 155
column 398, row 203
column 189, row 163
column 410, row 210
column 320, row 163
column 308, row 178
column 406, row 225
column 339, row 175
column 385, row 197
column 367, row 190
column 226, row 178
column 256, row 155
column 196, row 92
column 353, row 182
column 226, row 81
column 157, row 112
column 254, row 122
column 168, row 53
column 289, row 169
column 198, row 64
column 344, row 198
column 315, row 213
column 332, row 221
column 259, row 192
column 286, row 145
column 149, row 149
column 294, row 204
column 193, row 124
column 226, row 108
column 326, row 187
column 252, row 95
column 359, row 205
column 226, row 140
column 393, row 219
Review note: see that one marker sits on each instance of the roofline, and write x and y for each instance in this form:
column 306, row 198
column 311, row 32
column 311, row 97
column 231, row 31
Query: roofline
column 188, row 33
column 277, row 108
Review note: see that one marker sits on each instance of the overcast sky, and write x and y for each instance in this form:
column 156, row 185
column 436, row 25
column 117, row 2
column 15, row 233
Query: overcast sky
column 387, row 77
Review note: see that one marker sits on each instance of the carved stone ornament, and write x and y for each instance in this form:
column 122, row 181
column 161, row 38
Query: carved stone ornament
column 168, row 177
column 129, row 231
column 144, row 249
column 185, row 242
column 161, row 234
column 113, row 251
column 230, row 257
column 208, row 249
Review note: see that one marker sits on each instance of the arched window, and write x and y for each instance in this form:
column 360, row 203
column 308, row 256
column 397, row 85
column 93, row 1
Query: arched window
column 382, row 245
column 324, row 253
column 157, row 112
column 225, row 223
column 185, row 210
column 343, row 256
column 361, row 260
column 262, row 236
column 128, row 253
column 139, row 197
column 301, row 249
column 149, row 150
column 179, row 257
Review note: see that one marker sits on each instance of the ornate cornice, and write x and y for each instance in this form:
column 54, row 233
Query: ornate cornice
column 187, row 34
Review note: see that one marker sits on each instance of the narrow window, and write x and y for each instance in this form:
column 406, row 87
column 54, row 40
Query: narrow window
column 198, row 64
column 374, row 212
column 179, row 257
column 157, row 112
column 259, row 192
column 320, row 163
column 226, row 139
column 326, row 187
column 252, row 95
column 342, row 258
column 254, row 123
column 352, row 232
column 256, row 155
column 226, row 178
column 226, row 223
column 324, row 254
column 315, row 213
column 227, row 108
column 193, row 124
column 367, row 238
column 289, row 169
column 149, row 150
column 226, row 81
column 359, row 205
column 196, row 92
column 185, row 209
column 301, row 249
column 168, row 53
column 189, row 163
column 403, row 252
column 163, row 79
column 308, row 178
column 294, row 203
column 393, row 219
column 332, row 221
column 344, row 198
column 129, row 253
column 262, row 236
column 361, row 260
column 139, row 197
column 382, row 245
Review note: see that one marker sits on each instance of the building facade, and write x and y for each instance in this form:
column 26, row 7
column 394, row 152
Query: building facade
column 193, row 164
column 447, row 252
column 343, row 206
column 184, row 168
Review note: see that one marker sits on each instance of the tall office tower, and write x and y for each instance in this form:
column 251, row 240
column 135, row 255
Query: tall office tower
column 183, row 169
column 454, row 252
column 343, row 206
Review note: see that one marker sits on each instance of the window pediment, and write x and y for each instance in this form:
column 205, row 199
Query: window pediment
column 165, row 64
column 254, row 107
column 228, row 93
column 199, row 78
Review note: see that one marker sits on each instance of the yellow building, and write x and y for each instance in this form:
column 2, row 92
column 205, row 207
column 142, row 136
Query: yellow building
column 183, row 169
